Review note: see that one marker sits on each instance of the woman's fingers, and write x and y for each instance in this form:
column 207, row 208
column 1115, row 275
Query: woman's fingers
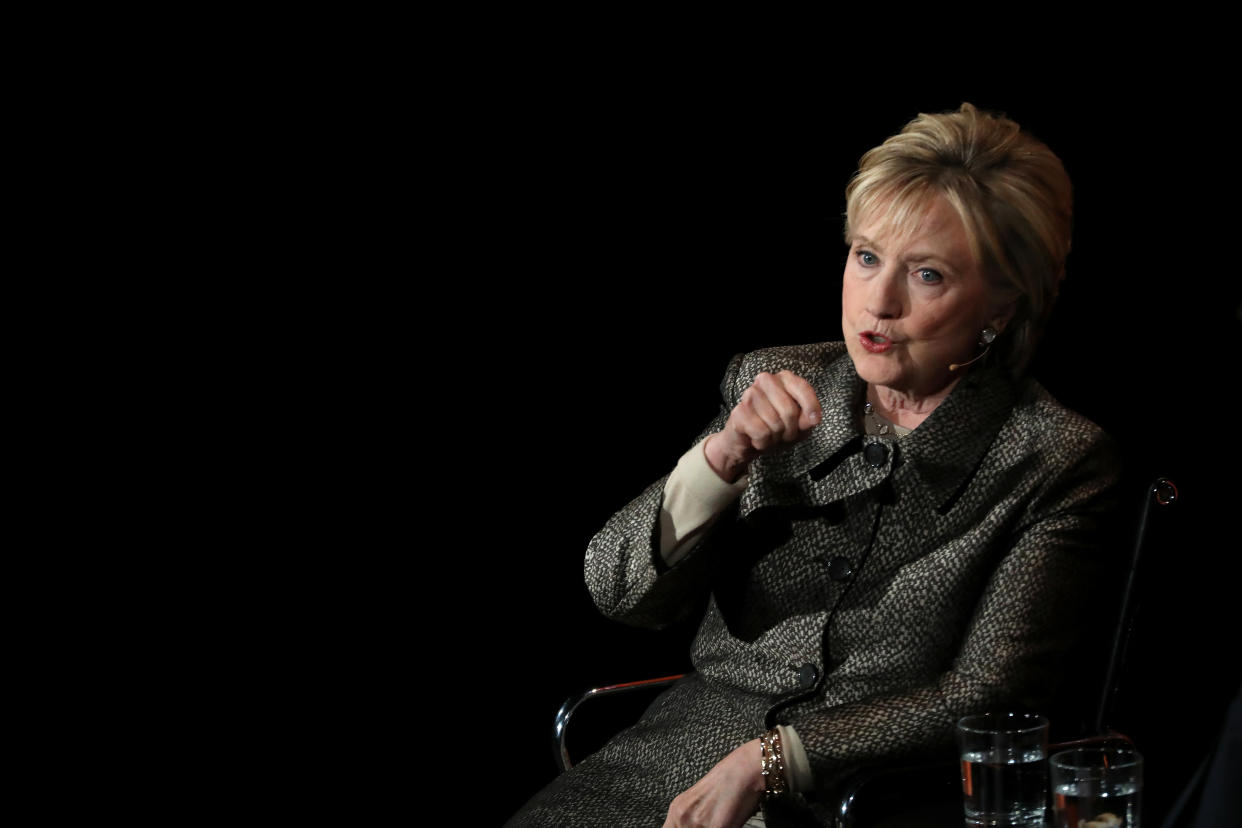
column 759, row 420
column 782, row 409
column 803, row 393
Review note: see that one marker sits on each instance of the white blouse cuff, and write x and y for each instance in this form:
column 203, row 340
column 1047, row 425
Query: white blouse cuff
column 694, row 496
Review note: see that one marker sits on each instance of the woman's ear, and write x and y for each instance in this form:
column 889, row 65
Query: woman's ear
column 1002, row 313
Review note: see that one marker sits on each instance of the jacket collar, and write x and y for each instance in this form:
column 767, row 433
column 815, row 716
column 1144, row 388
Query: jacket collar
column 829, row 465
column 947, row 448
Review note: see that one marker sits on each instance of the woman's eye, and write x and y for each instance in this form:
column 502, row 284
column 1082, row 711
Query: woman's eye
column 929, row 277
column 867, row 257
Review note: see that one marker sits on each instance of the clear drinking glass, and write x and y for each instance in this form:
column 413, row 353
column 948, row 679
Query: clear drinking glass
column 1004, row 775
column 1098, row 787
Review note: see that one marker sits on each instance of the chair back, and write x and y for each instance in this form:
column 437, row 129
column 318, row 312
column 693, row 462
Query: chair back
column 1160, row 497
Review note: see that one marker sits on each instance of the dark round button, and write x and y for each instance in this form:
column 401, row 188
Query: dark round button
column 808, row 674
column 840, row 568
column 875, row 453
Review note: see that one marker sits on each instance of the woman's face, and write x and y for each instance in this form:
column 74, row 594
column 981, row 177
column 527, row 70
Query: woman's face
column 912, row 306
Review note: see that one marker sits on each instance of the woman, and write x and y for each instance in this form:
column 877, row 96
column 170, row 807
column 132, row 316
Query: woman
column 894, row 531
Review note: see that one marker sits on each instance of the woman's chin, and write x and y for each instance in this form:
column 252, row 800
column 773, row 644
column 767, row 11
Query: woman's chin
column 877, row 369
column 886, row 371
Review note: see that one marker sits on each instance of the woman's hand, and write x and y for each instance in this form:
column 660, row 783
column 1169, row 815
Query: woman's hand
column 726, row 796
column 775, row 411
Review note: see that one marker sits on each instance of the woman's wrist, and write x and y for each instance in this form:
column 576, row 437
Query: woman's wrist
column 727, row 466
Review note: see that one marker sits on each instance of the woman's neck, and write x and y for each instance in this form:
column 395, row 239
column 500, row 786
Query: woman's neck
column 905, row 409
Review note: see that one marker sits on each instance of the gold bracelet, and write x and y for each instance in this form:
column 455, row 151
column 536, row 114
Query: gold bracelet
column 773, row 763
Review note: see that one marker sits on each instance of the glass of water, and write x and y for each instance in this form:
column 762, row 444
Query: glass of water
column 1097, row 787
column 1004, row 773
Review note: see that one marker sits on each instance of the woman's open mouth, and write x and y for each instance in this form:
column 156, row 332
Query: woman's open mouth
column 874, row 342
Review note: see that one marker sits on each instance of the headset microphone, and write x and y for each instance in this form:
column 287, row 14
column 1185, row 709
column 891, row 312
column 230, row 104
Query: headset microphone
column 985, row 338
column 954, row 366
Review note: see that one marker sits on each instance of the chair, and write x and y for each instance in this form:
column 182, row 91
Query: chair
column 928, row 794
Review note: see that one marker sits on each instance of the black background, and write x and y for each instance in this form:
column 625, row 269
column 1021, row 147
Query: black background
column 621, row 230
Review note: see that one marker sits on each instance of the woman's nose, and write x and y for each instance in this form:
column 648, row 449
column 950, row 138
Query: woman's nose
column 885, row 300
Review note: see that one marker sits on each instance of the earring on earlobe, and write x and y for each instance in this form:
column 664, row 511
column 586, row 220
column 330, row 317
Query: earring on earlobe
column 986, row 337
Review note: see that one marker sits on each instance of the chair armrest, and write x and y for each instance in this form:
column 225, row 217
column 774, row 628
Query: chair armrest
column 573, row 702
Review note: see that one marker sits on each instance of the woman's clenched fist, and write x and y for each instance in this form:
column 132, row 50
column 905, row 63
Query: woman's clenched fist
column 777, row 410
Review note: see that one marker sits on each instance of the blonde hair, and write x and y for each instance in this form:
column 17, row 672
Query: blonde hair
column 1010, row 191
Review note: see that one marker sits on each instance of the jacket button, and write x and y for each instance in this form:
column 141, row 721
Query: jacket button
column 840, row 568
column 808, row 674
column 875, row 454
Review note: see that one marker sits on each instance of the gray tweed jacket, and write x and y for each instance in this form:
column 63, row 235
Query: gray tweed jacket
column 867, row 591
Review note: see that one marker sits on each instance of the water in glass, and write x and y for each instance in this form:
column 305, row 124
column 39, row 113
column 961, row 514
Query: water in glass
column 1004, row 789
column 1088, row 805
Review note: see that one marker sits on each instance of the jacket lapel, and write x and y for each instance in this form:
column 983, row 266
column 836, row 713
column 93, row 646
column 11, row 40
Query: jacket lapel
column 948, row 447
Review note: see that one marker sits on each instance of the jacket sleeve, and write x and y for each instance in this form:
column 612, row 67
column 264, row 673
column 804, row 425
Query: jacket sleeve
column 1023, row 624
column 625, row 574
